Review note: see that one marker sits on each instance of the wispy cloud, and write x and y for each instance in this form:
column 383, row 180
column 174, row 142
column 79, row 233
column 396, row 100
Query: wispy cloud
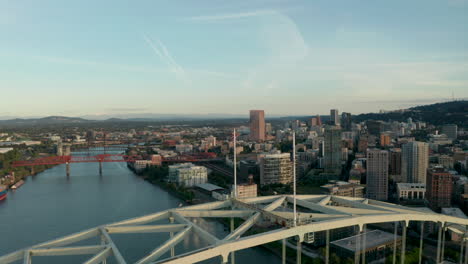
column 232, row 15
column 163, row 53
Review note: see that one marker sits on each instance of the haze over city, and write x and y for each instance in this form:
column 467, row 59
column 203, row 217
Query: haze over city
column 112, row 58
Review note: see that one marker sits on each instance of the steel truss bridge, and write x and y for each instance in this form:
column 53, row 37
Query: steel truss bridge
column 316, row 213
column 102, row 158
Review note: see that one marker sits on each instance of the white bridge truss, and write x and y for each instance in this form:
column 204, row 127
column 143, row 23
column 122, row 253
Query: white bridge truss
column 315, row 213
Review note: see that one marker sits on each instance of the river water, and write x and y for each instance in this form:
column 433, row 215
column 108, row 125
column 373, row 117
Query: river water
column 50, row 205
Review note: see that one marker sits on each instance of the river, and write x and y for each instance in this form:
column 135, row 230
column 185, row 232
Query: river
column 50, row 205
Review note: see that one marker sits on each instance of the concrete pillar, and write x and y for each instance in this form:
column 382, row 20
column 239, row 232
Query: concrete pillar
column 299, row 251
column 283, row 260
column 439, row 237
column 395, row 224
column 103, row 242
column 171, row 220
column 403, row 243
column 327, row 247
column 442, row 255
column 233, row 257
column 357, row 242
column 68, row 169
column 421, row 242
column 364, row 244
column 100, row 167
column 466, row 252
column 32, row 170
column 461, row 251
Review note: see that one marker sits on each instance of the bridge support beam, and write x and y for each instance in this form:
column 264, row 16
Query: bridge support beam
column 442, row 255
column 395, row 224
column 421, row 242
column 403, row 243
column 299, row 251
column 100, row 167
column 356, row 252
column 283, row 259
column 364, row 244
column 68, row 169
column 327, row 247
column 466, row 252
column 171, row 220
column 233, row 257
column 32, row 170
column 439, row 237
column 461, row 249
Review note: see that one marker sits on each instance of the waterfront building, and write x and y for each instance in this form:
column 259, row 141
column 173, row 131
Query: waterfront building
column 247, row 190
column 257, row 125
column 187, row 174
column 439, row 187
column 414, row 162
column 377, row 174
column 275, row 168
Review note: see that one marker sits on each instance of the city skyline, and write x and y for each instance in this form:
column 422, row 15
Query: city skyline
column 294, row 58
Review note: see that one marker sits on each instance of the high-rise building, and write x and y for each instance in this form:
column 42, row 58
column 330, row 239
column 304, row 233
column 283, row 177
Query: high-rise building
column 334, row 117
column 374, row 127
column 319, row 121
column 257, row 125
column 332, row 150
column 346, row 121
column 377, row 174
column 450, row 130
column 394, row 168
column 187, row 174
column 439, row 187
column 414, row 162
column 385, row 140
column 276, row 168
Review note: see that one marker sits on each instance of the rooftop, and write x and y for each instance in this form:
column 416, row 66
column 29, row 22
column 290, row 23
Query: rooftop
column 374, row 238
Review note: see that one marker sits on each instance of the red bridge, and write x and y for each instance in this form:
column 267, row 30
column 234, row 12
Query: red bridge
column 55, row 160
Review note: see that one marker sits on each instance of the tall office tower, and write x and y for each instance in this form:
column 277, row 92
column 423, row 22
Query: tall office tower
column 374, row 127
column 313, row 121
column 394, row 160
column 332, row 150
column 276, row 168
column 439, row 187
column 334, row 117
column 319, row 121
column 414, row 162
column 346, row 121
column 377, row 174
column 450, row 130
column 257, row 125
column 385, row 140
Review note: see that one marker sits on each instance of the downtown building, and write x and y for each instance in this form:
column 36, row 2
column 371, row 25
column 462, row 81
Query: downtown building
column 439, row 187
column 414, row 162
column 276, row 168
column 334, row 117
column 187, row 174
column 346, row 121
column 257, row 125
column 332, row 155
column 377, row 174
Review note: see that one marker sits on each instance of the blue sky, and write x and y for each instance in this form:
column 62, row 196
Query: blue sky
column 92, row 58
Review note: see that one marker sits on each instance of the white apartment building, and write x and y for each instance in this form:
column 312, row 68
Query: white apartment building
column 187, row 174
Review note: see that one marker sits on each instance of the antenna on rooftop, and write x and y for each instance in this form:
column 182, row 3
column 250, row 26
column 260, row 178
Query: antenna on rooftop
column 235, row 163
column 294, row 176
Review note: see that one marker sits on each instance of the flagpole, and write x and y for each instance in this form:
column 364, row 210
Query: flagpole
column 235, row 165
column 294, row 176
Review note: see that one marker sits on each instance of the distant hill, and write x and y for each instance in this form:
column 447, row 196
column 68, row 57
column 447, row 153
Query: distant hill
column 50, row 120
column 455, row 112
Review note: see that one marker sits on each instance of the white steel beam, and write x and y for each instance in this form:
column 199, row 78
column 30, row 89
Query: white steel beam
column 211, row 239
column 145, row 228
column 143, row 219
column 357, row 204
column 101, row 257
column 158, row 252
column 275, row 204
column 115, row 251
column 243, row 227
column 316, row 207
column 65, row 251
column 215, row 213
column 70, row 239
